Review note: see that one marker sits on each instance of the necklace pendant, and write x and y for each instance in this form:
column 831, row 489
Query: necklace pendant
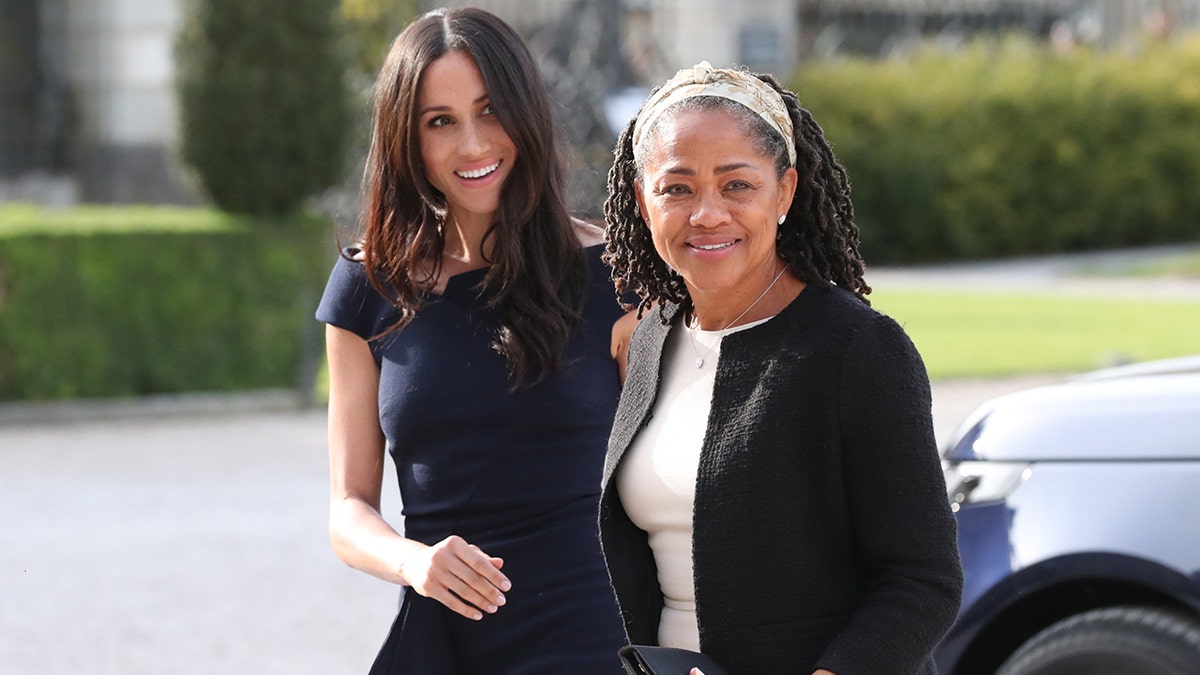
column 699, row 362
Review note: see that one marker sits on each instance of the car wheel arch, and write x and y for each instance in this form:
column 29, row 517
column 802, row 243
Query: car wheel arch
column 1034, row 597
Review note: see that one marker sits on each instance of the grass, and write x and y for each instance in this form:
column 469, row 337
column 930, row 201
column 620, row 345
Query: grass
column 963, row 335
column 987, row 334
column 983, row 335
column 18, row 220
column 27, row 219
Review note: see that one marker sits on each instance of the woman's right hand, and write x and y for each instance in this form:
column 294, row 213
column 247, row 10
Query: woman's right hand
column 452, row 572
column 458, row 575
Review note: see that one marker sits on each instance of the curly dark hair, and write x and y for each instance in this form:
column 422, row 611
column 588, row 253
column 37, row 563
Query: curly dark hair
column 819, row 240
column 537, row 274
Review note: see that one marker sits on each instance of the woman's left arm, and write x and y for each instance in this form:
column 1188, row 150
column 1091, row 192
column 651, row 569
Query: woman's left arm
column 622, row 333
column 590, row 234
column 898, row 506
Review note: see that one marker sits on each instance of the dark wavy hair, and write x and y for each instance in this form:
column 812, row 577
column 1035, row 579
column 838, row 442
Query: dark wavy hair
column 536, row 276
column 819, row 240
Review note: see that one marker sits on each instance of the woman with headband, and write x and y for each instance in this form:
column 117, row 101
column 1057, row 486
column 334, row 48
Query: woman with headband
column 772, row 495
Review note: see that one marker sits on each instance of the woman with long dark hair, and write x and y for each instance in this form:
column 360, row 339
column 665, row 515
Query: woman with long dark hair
column 470, row 335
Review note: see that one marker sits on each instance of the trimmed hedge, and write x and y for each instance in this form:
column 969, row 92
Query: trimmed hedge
column 101, row 302
column 265, row 111
column 1008, row 148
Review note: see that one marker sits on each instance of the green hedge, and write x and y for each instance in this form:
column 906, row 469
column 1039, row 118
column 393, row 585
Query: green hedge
column 102, row 302
column 1008, row 148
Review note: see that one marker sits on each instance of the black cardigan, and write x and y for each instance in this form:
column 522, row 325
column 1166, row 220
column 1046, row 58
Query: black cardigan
column 822, row 536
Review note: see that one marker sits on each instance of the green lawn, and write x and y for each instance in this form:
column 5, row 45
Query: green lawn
column 963, row 334
column 981, row 334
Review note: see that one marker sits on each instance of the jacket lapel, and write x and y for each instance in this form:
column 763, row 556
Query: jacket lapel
column 641, row 384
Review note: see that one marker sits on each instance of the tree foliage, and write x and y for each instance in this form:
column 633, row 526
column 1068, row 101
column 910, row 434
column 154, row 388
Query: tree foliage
column 372, row 25
column 265, row 110
column 1010, row 148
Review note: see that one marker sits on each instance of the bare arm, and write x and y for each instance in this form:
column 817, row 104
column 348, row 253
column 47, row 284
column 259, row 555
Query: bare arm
column 622, row 332
column 590, row 234
column 360, row 536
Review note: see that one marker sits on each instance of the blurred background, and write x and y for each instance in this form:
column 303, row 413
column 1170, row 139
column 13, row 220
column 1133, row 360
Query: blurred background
column 226, row 138
column 177, row 175
column 89, row 110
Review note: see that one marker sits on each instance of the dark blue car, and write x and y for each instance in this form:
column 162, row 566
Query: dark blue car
column 1078, row 510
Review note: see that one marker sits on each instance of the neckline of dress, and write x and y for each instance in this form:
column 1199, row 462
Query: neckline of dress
column 456, row 279
column 720, row 333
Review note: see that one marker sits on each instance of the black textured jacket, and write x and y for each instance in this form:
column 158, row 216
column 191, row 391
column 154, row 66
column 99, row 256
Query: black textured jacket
column 822, row 536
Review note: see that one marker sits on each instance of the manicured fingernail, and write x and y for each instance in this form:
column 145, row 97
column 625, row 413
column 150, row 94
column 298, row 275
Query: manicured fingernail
column 505, row 585
column 477, row 616
column 500, row 600
column 492, row 609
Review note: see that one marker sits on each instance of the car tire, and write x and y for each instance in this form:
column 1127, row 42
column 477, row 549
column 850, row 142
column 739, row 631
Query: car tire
column 1112, row 641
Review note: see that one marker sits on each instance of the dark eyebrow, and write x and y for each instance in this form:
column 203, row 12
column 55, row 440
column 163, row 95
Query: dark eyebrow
column 443, row 108
column 724, row 168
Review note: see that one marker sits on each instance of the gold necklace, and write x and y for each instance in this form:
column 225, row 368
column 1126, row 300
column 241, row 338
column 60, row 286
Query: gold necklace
column 691, row 330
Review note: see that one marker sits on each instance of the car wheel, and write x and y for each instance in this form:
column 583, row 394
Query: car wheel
column 1112, row 641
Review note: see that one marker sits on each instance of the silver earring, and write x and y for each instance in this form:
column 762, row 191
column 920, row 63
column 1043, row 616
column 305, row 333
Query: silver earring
column 782, row 218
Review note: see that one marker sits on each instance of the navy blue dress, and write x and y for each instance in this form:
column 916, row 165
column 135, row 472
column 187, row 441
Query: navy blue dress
column 516, row 473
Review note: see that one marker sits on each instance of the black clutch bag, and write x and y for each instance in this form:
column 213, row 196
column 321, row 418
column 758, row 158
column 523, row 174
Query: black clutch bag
column 646, row 660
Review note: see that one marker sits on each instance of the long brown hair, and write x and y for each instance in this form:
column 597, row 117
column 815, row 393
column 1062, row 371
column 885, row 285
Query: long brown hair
column 536, row 277
column 819, row 240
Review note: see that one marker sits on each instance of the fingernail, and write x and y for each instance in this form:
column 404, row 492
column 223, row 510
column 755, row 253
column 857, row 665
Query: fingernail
column 477, row 616
column 492, row 609
column 500, row 600
column 505, row 585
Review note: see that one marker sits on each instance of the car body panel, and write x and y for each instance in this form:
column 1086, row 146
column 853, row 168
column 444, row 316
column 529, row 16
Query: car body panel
column 1091, row 485
column 1120, row 419
column 1150, row 511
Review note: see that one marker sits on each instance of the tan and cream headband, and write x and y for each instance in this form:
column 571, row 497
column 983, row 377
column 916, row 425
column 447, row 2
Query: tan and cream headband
column 736, row 85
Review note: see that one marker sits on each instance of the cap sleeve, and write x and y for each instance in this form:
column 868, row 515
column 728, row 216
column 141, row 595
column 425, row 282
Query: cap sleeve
column 350, row 302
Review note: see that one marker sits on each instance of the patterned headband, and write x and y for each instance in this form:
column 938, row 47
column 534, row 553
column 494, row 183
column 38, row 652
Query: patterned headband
column 736, row 85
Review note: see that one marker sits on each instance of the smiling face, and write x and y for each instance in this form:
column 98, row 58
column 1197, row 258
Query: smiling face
column 465, row 151
column 712, row 200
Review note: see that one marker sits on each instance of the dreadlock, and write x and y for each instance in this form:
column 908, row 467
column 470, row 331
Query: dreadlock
column 819, row 240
